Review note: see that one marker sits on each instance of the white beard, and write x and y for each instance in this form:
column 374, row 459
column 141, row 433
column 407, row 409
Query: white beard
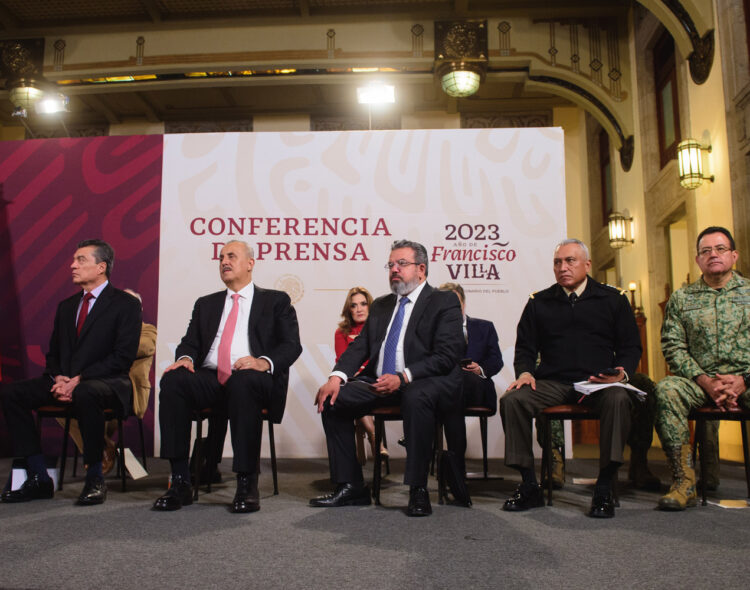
column 402, row 288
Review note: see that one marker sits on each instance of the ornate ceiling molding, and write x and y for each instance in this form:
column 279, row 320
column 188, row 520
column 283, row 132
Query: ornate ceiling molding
column 691, row 25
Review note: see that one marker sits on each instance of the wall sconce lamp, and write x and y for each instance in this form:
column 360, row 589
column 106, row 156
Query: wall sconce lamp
column 620, row 229
column 461, row 56
column 632, row 287
column 690, row 163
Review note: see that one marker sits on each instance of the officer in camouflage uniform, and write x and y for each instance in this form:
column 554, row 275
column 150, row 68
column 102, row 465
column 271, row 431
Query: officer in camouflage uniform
column 706, row 341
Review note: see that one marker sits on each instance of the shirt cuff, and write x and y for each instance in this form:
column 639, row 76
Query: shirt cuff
column 481, row 373
column 184, row 356
column 407, row 372
column 340, row 375
column 270, row 362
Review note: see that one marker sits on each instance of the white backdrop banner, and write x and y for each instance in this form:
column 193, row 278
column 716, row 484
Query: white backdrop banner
column 321, row 210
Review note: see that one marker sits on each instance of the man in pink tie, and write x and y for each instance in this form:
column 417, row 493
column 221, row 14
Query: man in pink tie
column 234, row 357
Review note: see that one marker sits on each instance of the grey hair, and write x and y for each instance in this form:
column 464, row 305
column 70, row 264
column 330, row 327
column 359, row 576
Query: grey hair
column 420, row 252
column 574, row 241
column 248, row 247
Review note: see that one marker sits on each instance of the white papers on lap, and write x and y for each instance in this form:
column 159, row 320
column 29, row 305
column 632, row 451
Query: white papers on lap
column 589, row 387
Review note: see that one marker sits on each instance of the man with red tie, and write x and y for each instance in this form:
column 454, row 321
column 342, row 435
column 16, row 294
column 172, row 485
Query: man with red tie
column 235, row 355
column 94, row 342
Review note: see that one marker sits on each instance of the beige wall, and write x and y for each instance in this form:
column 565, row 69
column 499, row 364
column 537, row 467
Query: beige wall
column 573, row 122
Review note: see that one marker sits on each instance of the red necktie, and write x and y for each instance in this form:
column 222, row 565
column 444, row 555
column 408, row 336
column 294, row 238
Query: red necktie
column 84, row 312
column 224, row 364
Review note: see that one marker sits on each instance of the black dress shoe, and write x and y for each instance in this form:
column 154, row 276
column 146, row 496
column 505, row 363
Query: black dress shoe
column 33, row 488
column 419, row 502
column 346, row 494
column 247, row 498
column 94, row 492
column 526, row 496
column 602, row 506
column 179, row 494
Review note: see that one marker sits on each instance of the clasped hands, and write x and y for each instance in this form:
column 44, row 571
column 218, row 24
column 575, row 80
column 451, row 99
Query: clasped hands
column 242, row 364
column 383, row 385
column 62, row 389
column 723, row 389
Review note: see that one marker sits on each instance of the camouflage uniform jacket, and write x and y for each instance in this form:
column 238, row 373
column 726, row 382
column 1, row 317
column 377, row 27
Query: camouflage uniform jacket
column 707, row 330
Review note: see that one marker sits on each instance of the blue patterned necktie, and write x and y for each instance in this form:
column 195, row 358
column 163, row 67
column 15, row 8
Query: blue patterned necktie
column 391, row 341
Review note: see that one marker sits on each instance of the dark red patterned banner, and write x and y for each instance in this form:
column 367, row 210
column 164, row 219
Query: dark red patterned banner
column 55, row 193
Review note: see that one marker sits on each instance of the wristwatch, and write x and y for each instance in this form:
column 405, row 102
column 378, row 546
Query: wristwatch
column 402, row 379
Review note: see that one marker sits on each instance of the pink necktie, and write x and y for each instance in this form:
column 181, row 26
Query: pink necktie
column 224, row 364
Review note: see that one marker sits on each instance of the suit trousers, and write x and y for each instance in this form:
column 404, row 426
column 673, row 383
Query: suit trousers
column 520, row 406
column 419, row 402
column 90, row 398
column 243, row 397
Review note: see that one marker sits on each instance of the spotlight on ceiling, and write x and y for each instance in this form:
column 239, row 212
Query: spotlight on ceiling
column 51, row 103
column 376, row 93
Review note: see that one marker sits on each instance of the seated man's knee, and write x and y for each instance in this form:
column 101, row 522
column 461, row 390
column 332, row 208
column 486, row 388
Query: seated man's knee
column 174, row 380
column 512, row 398
column 667, row 389
column 416, row 397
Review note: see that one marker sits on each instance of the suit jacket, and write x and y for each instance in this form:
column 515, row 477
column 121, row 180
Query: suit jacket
column 272, row 329
column 482, row 347
column 433, row 342
column 107, row 345
column 139, row 372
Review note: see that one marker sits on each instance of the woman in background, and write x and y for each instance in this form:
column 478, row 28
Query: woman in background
column 355, row 312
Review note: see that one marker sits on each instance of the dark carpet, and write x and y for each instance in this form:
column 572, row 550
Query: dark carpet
column 124, row 544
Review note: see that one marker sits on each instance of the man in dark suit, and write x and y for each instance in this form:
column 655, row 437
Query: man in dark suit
column 483, row 360
column 94, row 342
column 412, row 343
column 571, row 332
column 235, row 355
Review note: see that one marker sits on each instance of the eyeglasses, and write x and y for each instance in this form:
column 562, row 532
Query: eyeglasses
column 720, row 249
column 399, row 263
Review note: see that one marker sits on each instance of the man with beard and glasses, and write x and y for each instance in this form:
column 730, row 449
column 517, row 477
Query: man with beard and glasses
column 412, row 342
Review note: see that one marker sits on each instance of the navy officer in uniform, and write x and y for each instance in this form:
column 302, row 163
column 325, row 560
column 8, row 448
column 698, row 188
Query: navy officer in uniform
column 571, row 331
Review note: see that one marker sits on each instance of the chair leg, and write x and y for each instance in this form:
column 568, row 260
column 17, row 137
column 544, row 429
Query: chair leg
column 197, row 467
column 547, row 456
column 274, row 472
column 700, row 442
column 745, row 454
column 387, row 457
column 121, row 445
column 143, row 443
column 64, row 455
column 437, row 446
column 377, row 470
column 483, row 435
